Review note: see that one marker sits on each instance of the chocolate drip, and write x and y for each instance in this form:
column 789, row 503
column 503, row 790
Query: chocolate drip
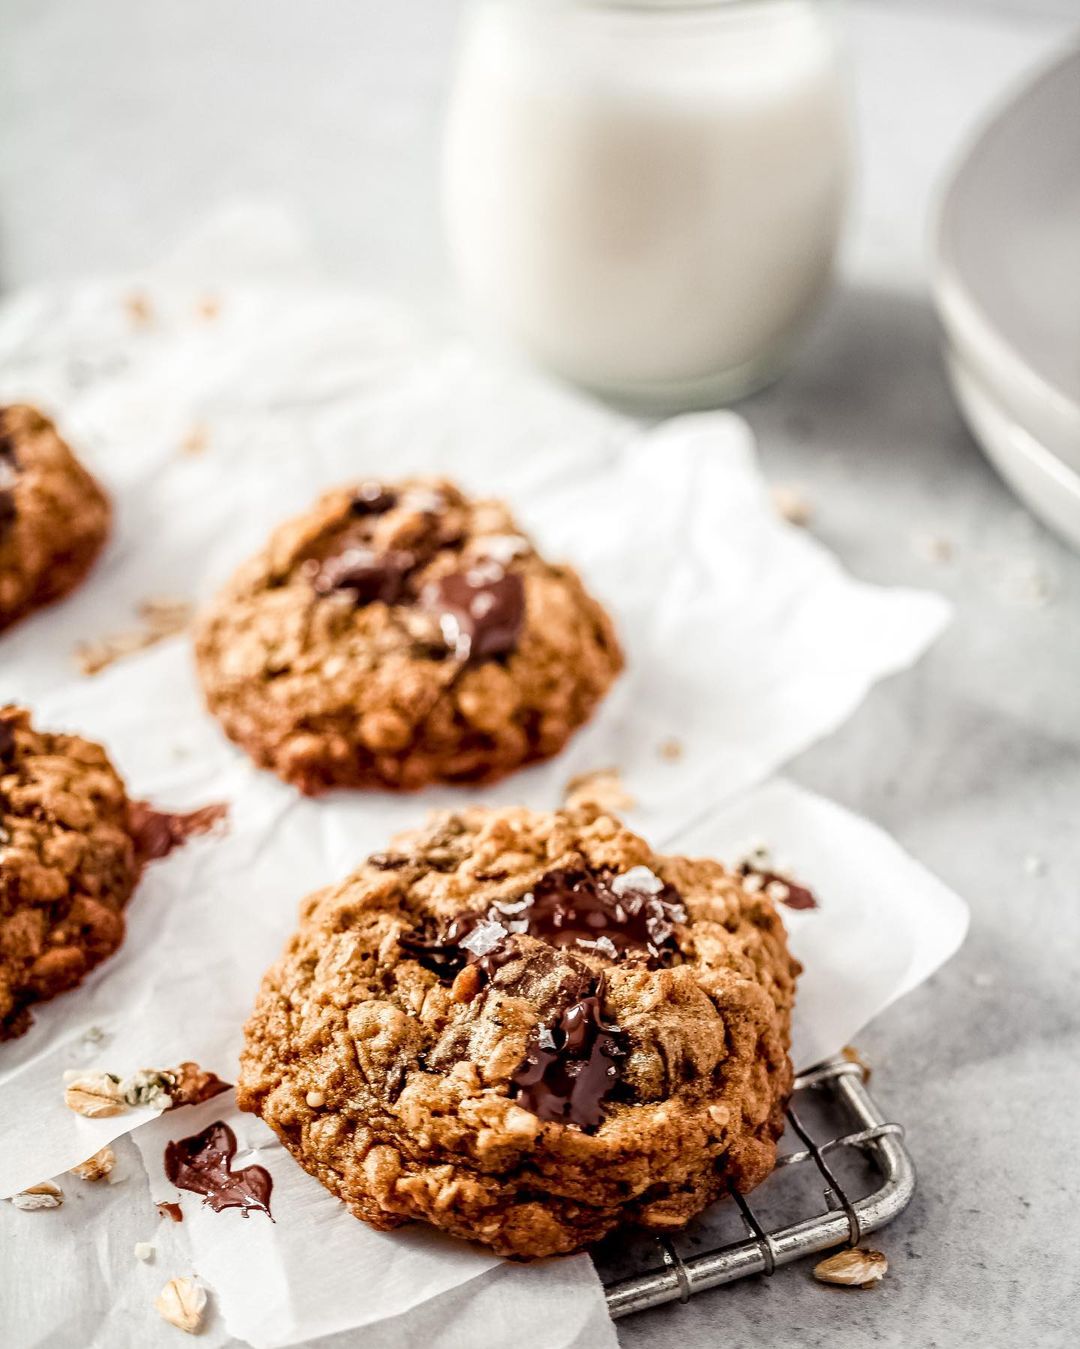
column 480, row 611
column 157, row 832
column 201, row 1164
column 572, row 1066
column 629, row 916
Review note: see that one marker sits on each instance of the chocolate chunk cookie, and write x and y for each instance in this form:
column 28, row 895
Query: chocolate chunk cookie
column 68, row 864
column 54, row 518
column 528, row 1029
column 399, row 635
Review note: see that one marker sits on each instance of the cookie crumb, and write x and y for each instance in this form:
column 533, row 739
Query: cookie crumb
column 852, row 1055
column 853, row 1269
column 196, row 441
column 603, row 788
column 671, row 750
column 792, row 504
column 207, row 307
column 139, row 309
column 144, row 1251
column 932, row 548
column 160, row 617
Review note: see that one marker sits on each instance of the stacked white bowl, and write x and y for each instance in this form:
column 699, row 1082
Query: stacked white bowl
column 1006, row 247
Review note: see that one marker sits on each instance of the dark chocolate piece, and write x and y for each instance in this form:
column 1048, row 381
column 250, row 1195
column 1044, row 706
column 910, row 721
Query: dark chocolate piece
column 7, row 742
column 372, row 498
column 201, row 1164
column 571, row 1067
column 370, row 576
column 797, row 896
column 480, row 611
column 157, row 832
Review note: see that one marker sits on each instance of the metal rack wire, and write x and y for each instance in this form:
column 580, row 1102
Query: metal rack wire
column 838, row 1087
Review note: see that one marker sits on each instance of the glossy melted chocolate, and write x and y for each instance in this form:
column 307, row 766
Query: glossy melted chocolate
column 571, row 1067
column 201, row 1164
column 157, row 832
column 480, row 611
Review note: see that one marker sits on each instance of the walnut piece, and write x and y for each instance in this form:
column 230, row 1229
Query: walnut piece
column 603, row 788
column 45, row 1195
column 854, row 1268
column 96, row 1167
column 94, row 1095
column 182, row 1303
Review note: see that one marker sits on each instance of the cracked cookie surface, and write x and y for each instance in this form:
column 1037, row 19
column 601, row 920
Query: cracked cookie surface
column 54, row 518
column 68, row 864
column 402, row 634
column 528, row 1029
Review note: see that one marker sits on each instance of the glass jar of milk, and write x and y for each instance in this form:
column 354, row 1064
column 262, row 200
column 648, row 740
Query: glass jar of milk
column 648, row 195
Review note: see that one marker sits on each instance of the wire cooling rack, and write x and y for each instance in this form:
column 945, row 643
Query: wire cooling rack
column 862, row 1153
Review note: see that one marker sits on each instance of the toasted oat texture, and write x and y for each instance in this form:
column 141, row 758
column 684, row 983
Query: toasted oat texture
column 402, row 634
column 67, row 864
column 54, row 518
column 617, row 1054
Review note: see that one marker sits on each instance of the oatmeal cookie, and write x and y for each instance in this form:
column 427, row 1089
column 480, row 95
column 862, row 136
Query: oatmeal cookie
column 399, row 635
column 68, row 864
column 54, row 518
column 528, row 1029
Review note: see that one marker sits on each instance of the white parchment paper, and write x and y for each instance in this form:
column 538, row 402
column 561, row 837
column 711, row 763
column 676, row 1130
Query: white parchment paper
column 745, row 642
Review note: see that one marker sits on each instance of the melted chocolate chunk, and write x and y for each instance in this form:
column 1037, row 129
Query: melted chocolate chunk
column 372, row 498
column 157, row 832
column 370, row 576
column 480, row 611
column 572, row 1066
column 795, row 896
column 201, row 1164
column 631, row 916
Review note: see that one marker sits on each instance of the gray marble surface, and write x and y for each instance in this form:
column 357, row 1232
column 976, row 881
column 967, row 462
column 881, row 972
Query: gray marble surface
column 122, row 121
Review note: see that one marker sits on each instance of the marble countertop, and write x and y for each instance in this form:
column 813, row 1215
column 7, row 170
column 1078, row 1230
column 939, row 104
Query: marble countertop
column 123, row 122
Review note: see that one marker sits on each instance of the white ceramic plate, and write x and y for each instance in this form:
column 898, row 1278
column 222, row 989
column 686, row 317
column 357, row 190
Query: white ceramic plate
column 1007, row 260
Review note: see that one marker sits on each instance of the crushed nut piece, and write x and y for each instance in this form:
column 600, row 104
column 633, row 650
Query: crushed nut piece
column 96, row 1167
column 144, row 1250
column 856, row 1269
column 671, row 750
column 161, row 618
column 792, row 504
column 45, row 1195
column 182, row 1303
column 171, row 1210
column 601, row 788
column 94, row 1095
column 208, row 307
